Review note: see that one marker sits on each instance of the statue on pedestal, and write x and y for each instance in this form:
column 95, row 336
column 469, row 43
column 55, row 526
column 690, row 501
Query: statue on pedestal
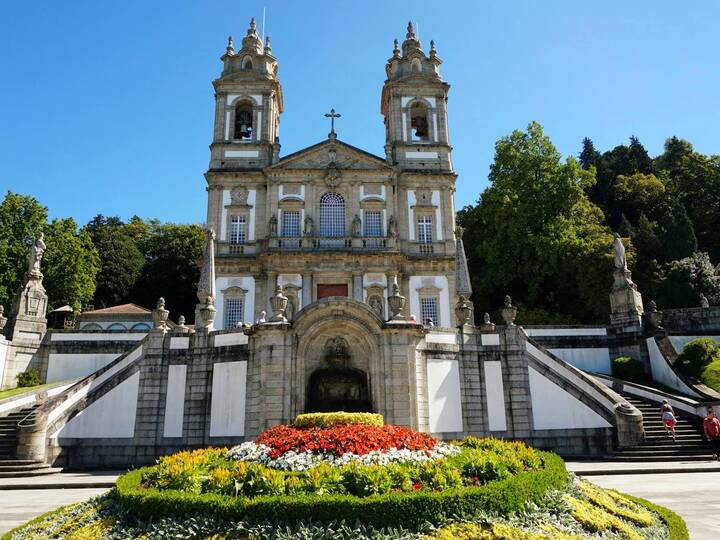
column 36, row 254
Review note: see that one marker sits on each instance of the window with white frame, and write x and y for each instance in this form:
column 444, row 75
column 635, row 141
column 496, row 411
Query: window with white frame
column 238, row 233
column 429, row 309
column 332, row 215
column 234, row 308
column 291, row 223
column 424, row 229
column 373, row 224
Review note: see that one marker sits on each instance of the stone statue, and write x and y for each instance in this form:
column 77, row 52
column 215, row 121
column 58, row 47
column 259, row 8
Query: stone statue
column 620, row 260
column 392, row 227
column 356, row 226
column 508, row 301
column 704, row 303
column 376, row 305
column 36, row 255
column 272, row 226
column 309, row 228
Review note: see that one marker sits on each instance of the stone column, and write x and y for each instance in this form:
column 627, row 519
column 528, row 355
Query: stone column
column 357, row 292
column 307, row 285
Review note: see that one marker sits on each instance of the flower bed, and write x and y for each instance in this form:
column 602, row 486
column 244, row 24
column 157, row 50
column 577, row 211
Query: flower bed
column 337, row 419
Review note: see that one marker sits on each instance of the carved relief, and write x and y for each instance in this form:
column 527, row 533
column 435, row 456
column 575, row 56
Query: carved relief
column 239, row 196
column 423, row 197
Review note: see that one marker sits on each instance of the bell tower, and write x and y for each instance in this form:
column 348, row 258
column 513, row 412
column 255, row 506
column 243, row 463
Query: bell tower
column 414, row 104
column 248, row 104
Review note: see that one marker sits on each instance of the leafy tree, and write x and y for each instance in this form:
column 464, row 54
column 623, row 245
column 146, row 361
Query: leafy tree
column 685, row 279
column 637, row 194
column 678, row 238
column 121, row 261
column 671, row 159
column 534, row 234
column 638, row 159
column 172, row 270
column 71, row 264
column 21, row 220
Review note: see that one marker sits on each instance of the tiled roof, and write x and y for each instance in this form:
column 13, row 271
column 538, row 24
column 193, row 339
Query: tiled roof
column 124, row 309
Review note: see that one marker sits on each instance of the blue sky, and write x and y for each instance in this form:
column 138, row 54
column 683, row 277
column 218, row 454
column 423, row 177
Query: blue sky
column 106, row 107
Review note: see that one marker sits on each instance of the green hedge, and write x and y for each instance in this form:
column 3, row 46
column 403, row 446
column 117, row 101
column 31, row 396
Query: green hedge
column 677, row 528
column 629, row 369
column 388, row 510
column 338, row 419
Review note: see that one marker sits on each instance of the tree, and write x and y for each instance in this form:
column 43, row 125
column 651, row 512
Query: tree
column 172, row 270
column 121, row 261
column 21, row 220
column 685, row 279
column 70, row 265
column 533, row 232
column 678, row 238
column 589, row 157
column 638, row 159
column 671, row 159
column 637, row 194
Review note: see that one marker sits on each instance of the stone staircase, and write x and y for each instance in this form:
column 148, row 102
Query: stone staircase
column 690, row 444
column 10, row 466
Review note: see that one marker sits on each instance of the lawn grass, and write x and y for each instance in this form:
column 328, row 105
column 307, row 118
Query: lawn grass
column 21, row 390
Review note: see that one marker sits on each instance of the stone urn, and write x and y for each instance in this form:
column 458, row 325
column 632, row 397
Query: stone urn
column 278, row 303
column 463, row 310
column 396, row 302
column 508, row 312
column 207, row 313
column 160, row 315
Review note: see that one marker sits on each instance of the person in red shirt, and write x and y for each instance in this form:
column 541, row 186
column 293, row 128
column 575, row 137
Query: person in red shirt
column 711, row 425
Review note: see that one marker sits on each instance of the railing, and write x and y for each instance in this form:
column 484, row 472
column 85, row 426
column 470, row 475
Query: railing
column 227, row 248
column 366, row 243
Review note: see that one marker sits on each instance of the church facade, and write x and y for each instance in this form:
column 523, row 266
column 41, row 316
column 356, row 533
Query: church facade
column 332, row 220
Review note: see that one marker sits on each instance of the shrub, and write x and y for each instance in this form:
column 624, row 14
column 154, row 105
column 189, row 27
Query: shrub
column 337, row 419
column 711, row 375
column 698, row 354
column 28, row 378
column 629, row 369
column 391, row 509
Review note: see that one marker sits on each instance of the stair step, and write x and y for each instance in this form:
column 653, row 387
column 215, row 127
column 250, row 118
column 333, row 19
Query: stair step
column 8, row 462
column 35, row 472
column 675, row 459
column 19, row 468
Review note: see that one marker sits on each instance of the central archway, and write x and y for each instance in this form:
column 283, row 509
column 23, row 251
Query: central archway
column 338, row 389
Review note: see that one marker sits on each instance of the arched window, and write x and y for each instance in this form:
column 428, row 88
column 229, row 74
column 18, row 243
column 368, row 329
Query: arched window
column 332, row 215
column 117, row 327
column 140, row 326
column 247, row 64
column 243, row 121
column 419, row 122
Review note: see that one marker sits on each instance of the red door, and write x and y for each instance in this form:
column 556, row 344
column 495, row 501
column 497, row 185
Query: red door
column 326, row 290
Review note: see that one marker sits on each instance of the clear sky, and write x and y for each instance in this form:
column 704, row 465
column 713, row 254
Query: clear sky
column 107, row 107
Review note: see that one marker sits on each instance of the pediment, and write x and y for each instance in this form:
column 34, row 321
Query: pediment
column 332, row 154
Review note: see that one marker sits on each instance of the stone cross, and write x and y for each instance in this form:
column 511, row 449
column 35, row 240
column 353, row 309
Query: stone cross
column 332, row 115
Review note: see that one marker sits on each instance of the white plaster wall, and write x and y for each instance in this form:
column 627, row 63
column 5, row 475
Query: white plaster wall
column 440, row 282
column 596, row 360
column 227, row 407
column 282, row 195
column 175, row 401
column 233, row 338
column 443, row 380
column 566, row 331
column 62, row 367
column 179, row 342
column 111, row 416
column 244, row 282
column 663, row 373
column 490, row 339
column 679, row 342
column 554, row 408
column 223, row 215
column 448, row 338
column 81, row 336
column 411, row 212
column 421, row 155
column 495, row 396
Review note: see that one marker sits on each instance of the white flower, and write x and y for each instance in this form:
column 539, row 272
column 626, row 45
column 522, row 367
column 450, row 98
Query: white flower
column 302, row 461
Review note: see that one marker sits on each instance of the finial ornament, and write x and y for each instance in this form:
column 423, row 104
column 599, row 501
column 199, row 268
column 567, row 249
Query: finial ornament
column 432, row 46
column 267, row 45
column 230, row 50
column 396, row 48
column 410, row 31
column 332, row 115
column 252, row 31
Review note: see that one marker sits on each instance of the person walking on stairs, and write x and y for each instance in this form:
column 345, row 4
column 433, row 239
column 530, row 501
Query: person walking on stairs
column 711, row 425
column 668, row 418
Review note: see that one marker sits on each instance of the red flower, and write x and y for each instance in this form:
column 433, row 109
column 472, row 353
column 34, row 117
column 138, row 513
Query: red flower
column 337, row 440
column 417, row 485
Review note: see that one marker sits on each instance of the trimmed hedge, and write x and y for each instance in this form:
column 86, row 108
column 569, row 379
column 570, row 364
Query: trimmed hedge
column 677, row 529
column 338, row 419
column 409, row 510
column 629, row 369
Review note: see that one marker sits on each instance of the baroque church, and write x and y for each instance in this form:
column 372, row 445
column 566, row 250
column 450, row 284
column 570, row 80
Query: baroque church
column 333, row 220
column 332, row 279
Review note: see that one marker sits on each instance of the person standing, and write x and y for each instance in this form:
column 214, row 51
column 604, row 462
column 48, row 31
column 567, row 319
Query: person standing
column 668, row 418
column 711, row 426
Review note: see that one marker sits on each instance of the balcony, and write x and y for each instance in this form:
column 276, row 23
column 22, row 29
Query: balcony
column 332, row 243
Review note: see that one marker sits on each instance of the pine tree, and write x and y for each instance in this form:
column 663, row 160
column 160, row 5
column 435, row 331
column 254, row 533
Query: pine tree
column 679, row 240
column 589, row 156
column 638, row 159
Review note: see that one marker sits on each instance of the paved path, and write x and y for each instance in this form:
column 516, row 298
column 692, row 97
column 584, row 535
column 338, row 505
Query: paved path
column 587, row 468
column 21, row 505
column 695, row 496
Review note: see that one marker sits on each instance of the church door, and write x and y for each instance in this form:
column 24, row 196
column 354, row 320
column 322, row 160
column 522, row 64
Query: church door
column 325, row 290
